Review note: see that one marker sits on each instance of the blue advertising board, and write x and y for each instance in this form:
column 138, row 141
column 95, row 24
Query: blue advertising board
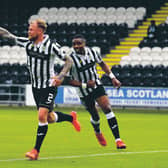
column 151, row 97
column 126, row 96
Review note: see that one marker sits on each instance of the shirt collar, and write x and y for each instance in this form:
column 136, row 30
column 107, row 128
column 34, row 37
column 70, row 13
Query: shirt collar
column 46, row 37
column 80, row 55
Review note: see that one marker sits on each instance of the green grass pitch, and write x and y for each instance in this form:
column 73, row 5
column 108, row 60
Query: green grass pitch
column 144, row 131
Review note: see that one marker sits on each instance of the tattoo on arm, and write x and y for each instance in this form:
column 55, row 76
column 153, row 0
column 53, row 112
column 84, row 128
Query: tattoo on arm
column 66, row 68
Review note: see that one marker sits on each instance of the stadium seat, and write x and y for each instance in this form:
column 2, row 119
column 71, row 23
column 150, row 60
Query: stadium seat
column 91, row 10
column 157, row 60
column 82, row 10
column 101, row 10
column 120, row 11
column 125, row 75
column 116, row 69
column 136, row 78
column 135, row 59
column 141, row 10
column 106, row 80
column 72, row 10
column 156, row 50
column 131, row 9
column 125, row 60
column 62, row 10
column 43, row 10
column 145, row 60
column 110, row 10
column 33, row 17
column 165, row 50
column 135, row 50
column 52, row 11
column 145, row 50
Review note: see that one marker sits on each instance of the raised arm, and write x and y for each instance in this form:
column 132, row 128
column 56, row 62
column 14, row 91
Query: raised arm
column 4, row 33
column 21, row 41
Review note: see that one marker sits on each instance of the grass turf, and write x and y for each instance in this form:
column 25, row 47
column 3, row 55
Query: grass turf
column 144, row 132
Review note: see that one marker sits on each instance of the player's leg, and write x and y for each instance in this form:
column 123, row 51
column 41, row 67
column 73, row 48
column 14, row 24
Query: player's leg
column 42, row 127
column 56, row 116
column 104, row 103
column 44, row 99
column 95, row 119
column 60, row 117
column 41, row 133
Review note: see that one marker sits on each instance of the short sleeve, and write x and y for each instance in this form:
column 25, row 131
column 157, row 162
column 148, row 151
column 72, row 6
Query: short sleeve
column 21, row 41
column 56, row 51
column 97, row 56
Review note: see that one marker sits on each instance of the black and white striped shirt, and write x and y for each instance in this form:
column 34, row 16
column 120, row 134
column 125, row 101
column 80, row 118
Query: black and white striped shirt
column 40, row 60
column 84, row 69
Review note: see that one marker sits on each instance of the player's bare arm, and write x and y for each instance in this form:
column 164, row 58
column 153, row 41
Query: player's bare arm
column 66, row 68
column 60, row 77
column 6, row 34
column 107, row 70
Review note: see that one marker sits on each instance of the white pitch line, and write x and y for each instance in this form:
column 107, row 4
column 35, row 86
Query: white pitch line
column 89, row 155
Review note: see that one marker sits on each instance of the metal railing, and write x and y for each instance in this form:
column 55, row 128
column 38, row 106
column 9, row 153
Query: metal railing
column 12, row 94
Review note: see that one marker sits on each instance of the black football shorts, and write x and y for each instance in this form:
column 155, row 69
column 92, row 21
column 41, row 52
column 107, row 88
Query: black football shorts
column 91, row 98
column 45, row 97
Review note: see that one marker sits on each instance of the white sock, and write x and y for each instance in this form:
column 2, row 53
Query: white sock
column 110, row 115
column 56, row 117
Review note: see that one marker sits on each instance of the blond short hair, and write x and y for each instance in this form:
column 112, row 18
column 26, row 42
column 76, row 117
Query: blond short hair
column 41, row 24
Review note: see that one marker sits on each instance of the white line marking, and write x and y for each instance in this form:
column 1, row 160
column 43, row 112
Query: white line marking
column 89, row 155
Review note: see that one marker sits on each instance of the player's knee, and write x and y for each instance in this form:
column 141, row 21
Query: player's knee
column 94, row 113
column 95, row 117
column 106, row 108
column 50, row 118
column 43, row 116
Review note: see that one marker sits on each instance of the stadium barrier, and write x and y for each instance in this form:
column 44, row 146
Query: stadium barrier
column 12, row 94
column 124, row 97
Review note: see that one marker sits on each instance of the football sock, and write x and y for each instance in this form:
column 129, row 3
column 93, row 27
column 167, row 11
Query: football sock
column 41, row 132
column 113, row 124
column 96, row 125
column 62, row 117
